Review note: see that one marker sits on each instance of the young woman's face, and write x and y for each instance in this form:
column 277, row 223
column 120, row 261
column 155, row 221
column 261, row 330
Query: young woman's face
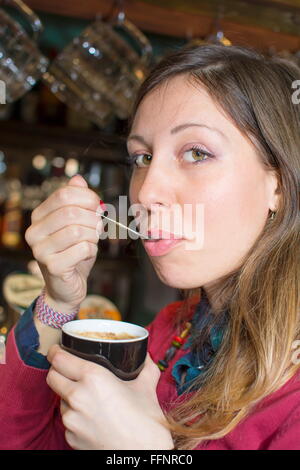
column 174, row 127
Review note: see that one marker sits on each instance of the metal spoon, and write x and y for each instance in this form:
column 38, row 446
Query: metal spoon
column 124, row 226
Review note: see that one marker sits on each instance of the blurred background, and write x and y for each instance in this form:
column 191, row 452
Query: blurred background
column 69, row 72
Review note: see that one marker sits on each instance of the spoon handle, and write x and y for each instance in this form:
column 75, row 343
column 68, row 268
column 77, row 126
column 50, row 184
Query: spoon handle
column 124, row 226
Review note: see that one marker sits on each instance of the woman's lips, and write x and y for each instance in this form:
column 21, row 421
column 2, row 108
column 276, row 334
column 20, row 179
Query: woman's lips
column 160, row 247
column 163, row 242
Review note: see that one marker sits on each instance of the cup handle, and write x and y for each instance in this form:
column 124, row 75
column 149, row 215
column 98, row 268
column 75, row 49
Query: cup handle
column 135, row 33
column 32, row 18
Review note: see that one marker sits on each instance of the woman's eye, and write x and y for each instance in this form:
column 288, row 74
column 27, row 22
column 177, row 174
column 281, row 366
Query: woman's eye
column 196, row 154
column 141, row 160
column 192, row 155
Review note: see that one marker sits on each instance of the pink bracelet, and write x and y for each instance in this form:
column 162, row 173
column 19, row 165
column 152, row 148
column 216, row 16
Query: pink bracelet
column 48, row 316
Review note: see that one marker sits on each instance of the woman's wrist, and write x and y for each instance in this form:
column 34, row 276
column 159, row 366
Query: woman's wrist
column 52, row 313
column 57, row 306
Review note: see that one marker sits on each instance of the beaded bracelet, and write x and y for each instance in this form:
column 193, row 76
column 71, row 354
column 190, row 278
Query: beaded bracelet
column 50, row 317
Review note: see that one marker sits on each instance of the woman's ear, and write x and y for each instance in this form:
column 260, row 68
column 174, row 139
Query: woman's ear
column 274, row 191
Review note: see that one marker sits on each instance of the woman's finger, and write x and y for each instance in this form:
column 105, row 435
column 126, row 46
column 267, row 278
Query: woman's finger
column 52, row 351
column 64, row 407
column 65, row 196
column 59, row 263
column 72, row 440
column 68, row 365
column 57, row 220
column 65, row 238
column 62, row 386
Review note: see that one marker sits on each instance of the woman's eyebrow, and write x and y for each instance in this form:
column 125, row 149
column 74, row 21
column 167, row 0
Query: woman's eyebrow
column 181, row 127
column 138, row 138
column 176, row 129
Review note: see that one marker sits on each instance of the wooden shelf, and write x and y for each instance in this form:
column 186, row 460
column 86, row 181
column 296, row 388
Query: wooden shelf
column 257, row 23
column 18, row 135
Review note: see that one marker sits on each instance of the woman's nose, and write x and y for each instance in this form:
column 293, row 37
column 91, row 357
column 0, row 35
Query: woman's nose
column 157, row 187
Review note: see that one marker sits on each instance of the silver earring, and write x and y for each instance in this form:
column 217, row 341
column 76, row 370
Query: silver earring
column 272, row 215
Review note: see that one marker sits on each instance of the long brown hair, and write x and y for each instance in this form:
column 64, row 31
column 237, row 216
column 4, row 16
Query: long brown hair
column 262, row 296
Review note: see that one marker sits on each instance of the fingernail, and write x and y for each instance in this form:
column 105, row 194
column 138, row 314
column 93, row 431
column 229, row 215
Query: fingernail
column 103, row 206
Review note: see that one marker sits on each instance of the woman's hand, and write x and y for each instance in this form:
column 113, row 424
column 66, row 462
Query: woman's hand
column 64, row 236
column 101, row 411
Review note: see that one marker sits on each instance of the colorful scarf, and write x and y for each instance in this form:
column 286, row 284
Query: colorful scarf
column 197, row 361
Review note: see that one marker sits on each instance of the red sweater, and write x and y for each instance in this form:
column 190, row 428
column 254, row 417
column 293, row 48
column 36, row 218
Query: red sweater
column 30, row 416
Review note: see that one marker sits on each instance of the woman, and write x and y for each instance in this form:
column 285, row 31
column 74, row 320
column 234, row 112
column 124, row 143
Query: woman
column 214, row 126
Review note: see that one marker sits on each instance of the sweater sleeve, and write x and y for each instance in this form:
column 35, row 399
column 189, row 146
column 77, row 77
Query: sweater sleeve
column 27, row 340
column 29, row 410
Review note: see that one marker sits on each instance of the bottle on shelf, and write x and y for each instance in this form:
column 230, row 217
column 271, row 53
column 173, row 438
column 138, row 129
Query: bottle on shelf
column 11, row 236
column 51, row 110
column 29, row 107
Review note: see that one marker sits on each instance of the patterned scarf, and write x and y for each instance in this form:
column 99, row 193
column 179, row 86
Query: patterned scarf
column 197, row 361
